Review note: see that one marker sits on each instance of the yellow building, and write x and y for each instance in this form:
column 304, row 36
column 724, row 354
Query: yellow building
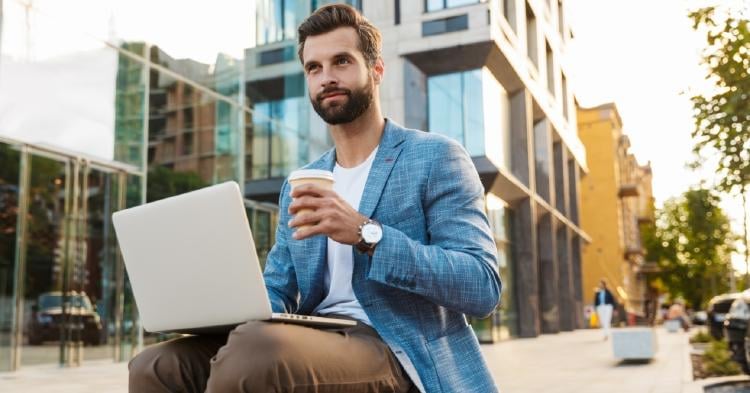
column 616, row 199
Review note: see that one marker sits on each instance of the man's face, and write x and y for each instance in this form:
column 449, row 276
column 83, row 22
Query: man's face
column 340, row 82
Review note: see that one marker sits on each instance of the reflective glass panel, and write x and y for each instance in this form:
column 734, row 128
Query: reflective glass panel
column 262, row 233
column 9, row 193
column 130, row 327
column 445, row 106
column 94, row 272
column 474, row 113
column 436, row 5
column 455, row 108
column 48, row 302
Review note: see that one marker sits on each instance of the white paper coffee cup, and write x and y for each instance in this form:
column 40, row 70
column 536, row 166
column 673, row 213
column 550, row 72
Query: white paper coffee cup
column 318, row 177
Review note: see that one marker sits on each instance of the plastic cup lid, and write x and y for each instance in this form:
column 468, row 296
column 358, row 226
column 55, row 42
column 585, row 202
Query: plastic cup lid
column 311, row 174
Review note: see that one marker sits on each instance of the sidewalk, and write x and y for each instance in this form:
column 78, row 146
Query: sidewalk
column 581, row 362
column 573, row 362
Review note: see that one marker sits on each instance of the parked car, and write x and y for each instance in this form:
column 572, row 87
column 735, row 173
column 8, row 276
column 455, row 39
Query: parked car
column 735, row 328
column 80, row 316
column 717, row 310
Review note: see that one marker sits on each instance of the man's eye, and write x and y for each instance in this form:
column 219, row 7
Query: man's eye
column 342, row 60
column 312, row 68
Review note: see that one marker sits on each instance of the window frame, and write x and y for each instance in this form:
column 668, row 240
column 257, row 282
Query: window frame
column 446, row 6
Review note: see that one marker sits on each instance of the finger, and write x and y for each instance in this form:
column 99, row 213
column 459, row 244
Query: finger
column 312, row 218
column 304, row 233
column 306, row 202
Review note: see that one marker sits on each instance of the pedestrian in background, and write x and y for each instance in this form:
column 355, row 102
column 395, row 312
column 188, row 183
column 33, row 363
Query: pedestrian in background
column 604, row 303
column 677, row 313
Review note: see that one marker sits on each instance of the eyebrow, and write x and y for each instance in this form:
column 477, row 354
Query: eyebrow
column 335, row 56
column 341, row 54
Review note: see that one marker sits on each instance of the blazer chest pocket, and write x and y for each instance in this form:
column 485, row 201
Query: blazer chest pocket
column 404, row 218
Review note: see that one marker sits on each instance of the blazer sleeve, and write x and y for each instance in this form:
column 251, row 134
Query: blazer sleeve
column 457, row 268
column 279, row 274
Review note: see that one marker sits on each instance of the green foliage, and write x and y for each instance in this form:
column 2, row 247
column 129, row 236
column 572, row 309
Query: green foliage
column 164, row 182
column 722, row 116
column 701, row 337
column 691, row 241
column 717, row 360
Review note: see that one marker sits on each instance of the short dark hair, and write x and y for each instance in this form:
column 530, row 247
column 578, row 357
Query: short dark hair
column 331, row 17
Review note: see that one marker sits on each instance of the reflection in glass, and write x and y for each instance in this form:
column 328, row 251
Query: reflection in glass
column 262, row 234
column 454, row 105
column 262, row 220
column 129, row 106
column 502, row 323
column 445, row 103
column 278, row 19
column 543, row 158
column 46, row 261
column 354, row 3
column 129, row 326
column 473, row 112
column 286, row 134
column 436, row 5
column 94, row 272
column 9, row 193
column 192, row 130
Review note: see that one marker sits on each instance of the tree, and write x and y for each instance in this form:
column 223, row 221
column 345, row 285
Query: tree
column 164, row 182
column 691, row 241
column 722, row 116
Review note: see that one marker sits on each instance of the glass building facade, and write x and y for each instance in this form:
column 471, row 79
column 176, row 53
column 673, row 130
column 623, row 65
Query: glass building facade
column 99, row 113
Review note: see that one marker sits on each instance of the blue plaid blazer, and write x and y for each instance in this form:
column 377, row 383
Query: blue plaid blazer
column 436, row 263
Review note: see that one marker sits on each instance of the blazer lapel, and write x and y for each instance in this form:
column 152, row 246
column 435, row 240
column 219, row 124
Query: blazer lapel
column 385, row 159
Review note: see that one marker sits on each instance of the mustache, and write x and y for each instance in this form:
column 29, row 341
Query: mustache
column 330, row 91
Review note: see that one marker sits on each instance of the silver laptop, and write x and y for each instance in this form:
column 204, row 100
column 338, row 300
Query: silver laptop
column 193, row 267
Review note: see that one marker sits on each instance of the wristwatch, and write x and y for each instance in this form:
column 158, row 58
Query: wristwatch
column 370, row 233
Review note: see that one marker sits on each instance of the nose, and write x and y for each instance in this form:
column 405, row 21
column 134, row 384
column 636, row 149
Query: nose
column 328, row 79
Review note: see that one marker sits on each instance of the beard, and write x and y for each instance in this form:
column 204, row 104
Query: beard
column 358, row 102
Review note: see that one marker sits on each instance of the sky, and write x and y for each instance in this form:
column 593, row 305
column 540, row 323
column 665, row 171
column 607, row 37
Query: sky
column 644, row 56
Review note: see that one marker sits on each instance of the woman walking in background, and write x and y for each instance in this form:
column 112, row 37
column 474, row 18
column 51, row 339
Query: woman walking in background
column 604, row 303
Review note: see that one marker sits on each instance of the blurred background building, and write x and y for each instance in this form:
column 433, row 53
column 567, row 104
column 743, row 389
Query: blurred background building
column 618, row 197
column 138, row 101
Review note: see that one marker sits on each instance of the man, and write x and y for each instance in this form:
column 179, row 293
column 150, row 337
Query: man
column 604, row 304
column 429, row 259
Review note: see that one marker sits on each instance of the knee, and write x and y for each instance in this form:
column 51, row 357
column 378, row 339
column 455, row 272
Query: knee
column 257, row 357
column 158, row 365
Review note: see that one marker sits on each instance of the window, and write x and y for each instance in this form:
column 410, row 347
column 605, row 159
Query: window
column 560, row 19
column 275, row 56
column 509, row 11
column 550, row 70
column 564, row 97
column 187, row 143
column 455, row 108
column 354, row 3
column 446, row 25
column 278, row 19
column 531, row 37
column 437, row 5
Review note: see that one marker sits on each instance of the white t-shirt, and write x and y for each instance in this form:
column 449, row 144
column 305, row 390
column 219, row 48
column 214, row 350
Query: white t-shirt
column 349, row 183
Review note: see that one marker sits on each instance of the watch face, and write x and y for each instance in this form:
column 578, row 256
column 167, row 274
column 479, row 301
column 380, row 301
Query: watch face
column 372, row 233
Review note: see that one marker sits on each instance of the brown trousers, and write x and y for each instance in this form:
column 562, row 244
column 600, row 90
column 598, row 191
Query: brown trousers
column 271, row 357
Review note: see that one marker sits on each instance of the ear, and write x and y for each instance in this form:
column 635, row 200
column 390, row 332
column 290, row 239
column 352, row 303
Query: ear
column 378, row 70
